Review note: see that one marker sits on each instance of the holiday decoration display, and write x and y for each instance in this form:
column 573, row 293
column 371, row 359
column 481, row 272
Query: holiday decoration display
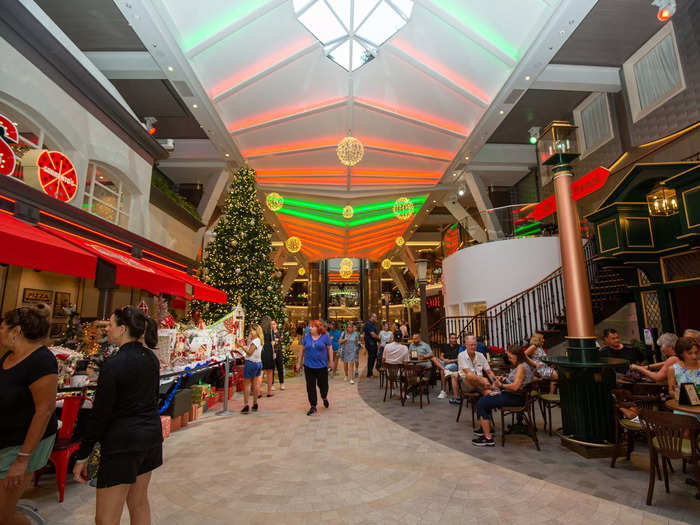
column 386, row 264
column 51, row 172
column 293, row 244
column 403, row 208
column 348, row 212
column 400, row 241
column 350, row 151
column 274, row 201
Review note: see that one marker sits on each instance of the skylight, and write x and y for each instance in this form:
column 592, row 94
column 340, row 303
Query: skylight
column 351, row 31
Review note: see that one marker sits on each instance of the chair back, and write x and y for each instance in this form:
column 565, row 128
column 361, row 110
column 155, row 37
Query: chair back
column 69, row 415
column 393, row 371
column 624, row 397
column 413, row 373
column 667, row 431
column 642, row 388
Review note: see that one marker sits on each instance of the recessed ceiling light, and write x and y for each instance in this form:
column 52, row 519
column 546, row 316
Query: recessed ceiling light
column 227, row 155
column 527, row 77
column 501, row 112
column 195, row 106
column 171, row 68
column 466, row 158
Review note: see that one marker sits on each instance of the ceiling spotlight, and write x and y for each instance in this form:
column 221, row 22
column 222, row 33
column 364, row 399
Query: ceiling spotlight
column 195, row 106
column 534, row 134
column 150, row 125
column 527, row 78
column 171, row 68
column 501, row 112
column 461, row 191
column 667, row 9
column 227, row 155
column 466, row 157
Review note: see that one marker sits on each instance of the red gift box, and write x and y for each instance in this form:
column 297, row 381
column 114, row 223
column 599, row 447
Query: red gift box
column 211, row 401
column 185, row 419
column 196, row 412
column 175, row 423
column 165, row 425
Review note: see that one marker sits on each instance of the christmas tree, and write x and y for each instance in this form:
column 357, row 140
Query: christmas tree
column 238, row 261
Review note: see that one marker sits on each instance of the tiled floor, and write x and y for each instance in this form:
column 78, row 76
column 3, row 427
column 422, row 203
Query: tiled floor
column 364, row 461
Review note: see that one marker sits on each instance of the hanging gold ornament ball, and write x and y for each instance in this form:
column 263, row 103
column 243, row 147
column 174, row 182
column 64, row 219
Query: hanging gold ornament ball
column 293, row 244
column 346, row 263
column 403, row 208
column 400, row 241
column 348, row 212
column 386, row 264
column 302, row 270
column 274, row 201
column 345, row 273
column 350, row 151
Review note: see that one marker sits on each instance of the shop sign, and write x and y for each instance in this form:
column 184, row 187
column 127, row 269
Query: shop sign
column 451, row 240
column 32, row 295
column 9, row 135
column 51, row 172
column 590, row 182
column 434, row 301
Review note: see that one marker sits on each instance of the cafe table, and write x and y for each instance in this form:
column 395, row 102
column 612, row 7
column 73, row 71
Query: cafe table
column 686, row 409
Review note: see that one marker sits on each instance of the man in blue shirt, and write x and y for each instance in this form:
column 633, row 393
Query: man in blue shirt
column 480, row 346
column 371, row 338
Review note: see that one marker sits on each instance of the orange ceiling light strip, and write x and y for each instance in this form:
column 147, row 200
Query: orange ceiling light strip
column 396, row 173
column 76, row 225
column 164, row 259
column 366, row 181
column 382, row 231
column 87, row 239
column 371, row 242
column 328, row 181
column 376, row 226
column 306, row 233
column 302, row 171
column 277, row 114
column 311, row 226
column 436, row 121
column 320, row 243
column 260, row 66
column 399, row 147
column 326, row 142
column 7, row 199
column 442, row 70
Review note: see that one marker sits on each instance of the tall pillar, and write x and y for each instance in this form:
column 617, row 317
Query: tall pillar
column 364, row 291
column 315, row 290
column 375, row 288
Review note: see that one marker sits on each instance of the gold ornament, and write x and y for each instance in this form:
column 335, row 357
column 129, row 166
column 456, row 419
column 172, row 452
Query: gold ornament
column 403, row 208
column 348, row 212
column 386, row 264
column 345, row 273
column 350, row 151
column 345, row 267
column 302, row 270
column 274, row 201
column 400, row 241
column 293, row 244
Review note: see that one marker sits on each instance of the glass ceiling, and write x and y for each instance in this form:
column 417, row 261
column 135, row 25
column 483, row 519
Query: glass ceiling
column 351, row 31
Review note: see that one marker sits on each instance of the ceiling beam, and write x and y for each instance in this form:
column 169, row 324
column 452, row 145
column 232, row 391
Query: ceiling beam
column 126, row 64
column 406, row 118
column 563, row 77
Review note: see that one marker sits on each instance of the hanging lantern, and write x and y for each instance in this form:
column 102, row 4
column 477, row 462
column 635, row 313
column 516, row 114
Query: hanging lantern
column 348, row 212
column 350, row 151
column 662, row 201
column 386, row 264
column 274, row 201
column 400, row 241
column 403, row 208
column 301, row 271
column 293, row 244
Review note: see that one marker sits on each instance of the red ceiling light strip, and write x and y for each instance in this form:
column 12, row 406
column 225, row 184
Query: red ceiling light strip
column 7, row 199
column 270, row 181
column 312, row 227
column 409, row 149
column 301, row 171
column 279, row 114
column 76, row 225
column 377, row 181
column 292, row 147
column 164, row 259
column 436, row 121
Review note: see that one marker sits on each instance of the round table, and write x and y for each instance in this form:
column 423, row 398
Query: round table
column 686, row 409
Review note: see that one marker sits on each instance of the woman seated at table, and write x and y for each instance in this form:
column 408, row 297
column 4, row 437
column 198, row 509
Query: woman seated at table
column 687, row 370
column 510, row 395
column 659, row 371
column 535, row 352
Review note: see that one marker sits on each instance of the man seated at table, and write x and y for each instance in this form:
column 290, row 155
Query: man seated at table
column 394, row 353
column 614, row 348
column 659, row 371
column 448, row 360
column 474, row 370
column 423, row 351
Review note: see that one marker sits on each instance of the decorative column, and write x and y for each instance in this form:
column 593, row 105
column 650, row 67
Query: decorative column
column 421, row 271
column 315, row 291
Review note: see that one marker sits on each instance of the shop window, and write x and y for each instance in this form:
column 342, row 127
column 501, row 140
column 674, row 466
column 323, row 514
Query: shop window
column 594, row 123
column 105, row 196
column 654, row 75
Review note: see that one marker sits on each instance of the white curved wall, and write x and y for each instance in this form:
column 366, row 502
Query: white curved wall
column 494, row 271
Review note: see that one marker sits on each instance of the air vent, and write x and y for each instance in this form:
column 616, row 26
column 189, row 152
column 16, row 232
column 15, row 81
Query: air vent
column 514, row 96
column 183, row 88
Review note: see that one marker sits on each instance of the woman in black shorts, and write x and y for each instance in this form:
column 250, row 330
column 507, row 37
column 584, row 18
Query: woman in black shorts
column 125, row 420
column 268, row 355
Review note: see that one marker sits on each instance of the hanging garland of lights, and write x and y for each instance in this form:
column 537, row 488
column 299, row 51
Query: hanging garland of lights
column 274, row 201
column 348, row 212
column 386, row 264
column 403, row 208
column 350, row 151
column 293, row 244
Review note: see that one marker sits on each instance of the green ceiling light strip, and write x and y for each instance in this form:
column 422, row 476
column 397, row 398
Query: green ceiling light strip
column 387, row 204
column 312, row 217
column 313, row 205
column 220, row 21
column 527, row 226
column 374, row 218
column 457, row 9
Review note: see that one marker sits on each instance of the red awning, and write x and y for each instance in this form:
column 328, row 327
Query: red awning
column 26, row 245
column 130, row 271
column 201, row 291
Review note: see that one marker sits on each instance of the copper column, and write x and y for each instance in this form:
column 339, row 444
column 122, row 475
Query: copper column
column 577, row 295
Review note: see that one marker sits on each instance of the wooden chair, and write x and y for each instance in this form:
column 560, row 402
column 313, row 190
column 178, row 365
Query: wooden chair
column 526, row 411
column 417, row 379
column 627, row 430
column 670, row 436
column 392, row 379
column 472, row 399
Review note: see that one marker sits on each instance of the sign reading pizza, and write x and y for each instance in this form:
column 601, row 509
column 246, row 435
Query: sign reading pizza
column 51, row 172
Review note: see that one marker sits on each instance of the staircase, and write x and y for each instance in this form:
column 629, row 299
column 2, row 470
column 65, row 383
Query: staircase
column 540, row 308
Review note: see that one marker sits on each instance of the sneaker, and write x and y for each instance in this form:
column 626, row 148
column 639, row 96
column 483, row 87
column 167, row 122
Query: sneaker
column 273, row 387
column 312, row 410
column 255, row 407
column 357, row 374
column 326, row 403
column 352, row 382
column 442, row 394
column 454, row 401
column 483, row 441
column 270, row 395
column 478, row 432
column 281, row 387
column 245, row 410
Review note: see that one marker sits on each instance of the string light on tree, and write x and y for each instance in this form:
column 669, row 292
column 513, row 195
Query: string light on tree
column 403, row 208
column 348, row 212
column 350, row 151
column 274, row 201
column 293, row 244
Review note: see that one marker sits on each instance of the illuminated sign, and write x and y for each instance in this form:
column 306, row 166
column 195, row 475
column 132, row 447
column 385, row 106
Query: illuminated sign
column 590, row 182
column 9, row 135
column 434, row 301
column 51, row 172
column 450, row 239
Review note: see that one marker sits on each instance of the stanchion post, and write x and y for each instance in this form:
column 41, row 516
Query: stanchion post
column 225, row 411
